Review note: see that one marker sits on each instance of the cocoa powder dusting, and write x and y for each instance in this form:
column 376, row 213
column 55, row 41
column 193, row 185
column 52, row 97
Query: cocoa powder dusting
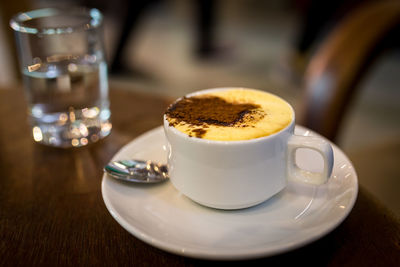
column 199, row 132
column 197, row 112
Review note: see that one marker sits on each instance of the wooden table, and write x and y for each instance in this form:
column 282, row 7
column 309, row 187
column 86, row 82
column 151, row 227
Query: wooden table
column 52, row 212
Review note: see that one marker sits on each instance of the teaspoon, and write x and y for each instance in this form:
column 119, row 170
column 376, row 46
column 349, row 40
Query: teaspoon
column 137, row 171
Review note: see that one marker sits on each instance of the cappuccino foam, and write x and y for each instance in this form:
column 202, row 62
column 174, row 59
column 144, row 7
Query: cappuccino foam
column 230, row 115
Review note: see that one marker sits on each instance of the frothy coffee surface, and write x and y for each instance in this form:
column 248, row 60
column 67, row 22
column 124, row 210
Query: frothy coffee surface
column 230, row 115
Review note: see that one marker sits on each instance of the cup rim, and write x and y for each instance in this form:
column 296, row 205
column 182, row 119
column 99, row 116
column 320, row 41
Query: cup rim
column 17, row 21
column 232, row 142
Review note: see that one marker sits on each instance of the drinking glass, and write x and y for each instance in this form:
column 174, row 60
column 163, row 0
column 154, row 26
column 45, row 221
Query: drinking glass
column 62, row 61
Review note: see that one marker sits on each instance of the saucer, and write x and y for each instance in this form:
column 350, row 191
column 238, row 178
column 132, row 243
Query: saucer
column 164, row 218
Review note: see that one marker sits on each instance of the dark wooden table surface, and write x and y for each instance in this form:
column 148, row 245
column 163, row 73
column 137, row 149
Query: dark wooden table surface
column 52, row 212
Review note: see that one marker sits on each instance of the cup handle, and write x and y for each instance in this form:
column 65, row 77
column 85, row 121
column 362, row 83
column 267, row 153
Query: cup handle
column 311, row 142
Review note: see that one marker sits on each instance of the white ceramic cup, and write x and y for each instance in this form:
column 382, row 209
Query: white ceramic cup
column 240, row 174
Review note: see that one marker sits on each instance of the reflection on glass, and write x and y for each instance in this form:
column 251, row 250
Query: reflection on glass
column 37, row 134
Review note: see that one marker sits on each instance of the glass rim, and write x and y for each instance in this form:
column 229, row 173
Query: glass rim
column 17, row 21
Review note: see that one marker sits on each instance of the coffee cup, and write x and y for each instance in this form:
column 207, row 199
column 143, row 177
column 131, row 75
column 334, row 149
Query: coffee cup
column 233, row 148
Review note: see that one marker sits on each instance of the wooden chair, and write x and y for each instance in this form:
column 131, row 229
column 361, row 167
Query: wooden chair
column 342, row 59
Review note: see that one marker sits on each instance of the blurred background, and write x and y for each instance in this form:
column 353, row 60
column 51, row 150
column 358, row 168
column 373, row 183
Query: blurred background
column 173, row 47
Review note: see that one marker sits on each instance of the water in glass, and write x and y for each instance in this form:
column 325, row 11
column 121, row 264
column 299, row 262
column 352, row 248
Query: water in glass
column 68, row 100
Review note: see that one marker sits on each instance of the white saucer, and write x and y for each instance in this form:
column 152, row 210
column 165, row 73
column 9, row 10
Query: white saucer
column 162, row 217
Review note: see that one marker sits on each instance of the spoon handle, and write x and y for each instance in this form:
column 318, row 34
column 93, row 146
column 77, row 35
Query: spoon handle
column 137, row 171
